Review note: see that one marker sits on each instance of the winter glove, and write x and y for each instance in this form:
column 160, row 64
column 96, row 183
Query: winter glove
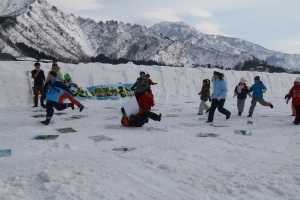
column 132, row 88
column 264, row 91
column 234, row 95
column 286, row 96
column 209, row 99
column 250, row 95
column 199, row 93
column 287, row 100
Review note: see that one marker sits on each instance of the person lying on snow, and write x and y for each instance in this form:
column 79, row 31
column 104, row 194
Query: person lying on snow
column 139, row 119
column 55, row 93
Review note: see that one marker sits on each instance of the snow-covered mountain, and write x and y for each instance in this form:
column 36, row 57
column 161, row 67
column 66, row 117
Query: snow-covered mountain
column 190, row 36
column 45, row 28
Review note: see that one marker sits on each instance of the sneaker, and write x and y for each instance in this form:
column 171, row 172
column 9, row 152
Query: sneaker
column 271, row 105
column 228, row 116
column 81, row 107
column 159, row 117
column 250, row 115
column 240, row 113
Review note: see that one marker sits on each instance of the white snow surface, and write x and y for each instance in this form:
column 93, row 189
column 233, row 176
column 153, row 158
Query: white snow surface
column 169, row 161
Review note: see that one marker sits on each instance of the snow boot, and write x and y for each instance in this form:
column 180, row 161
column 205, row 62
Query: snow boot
column 228, row 116
column 240, row 113
column 71, row 105
column 250, row 115
column 46, row 122
column 159, row 117
column 35, row 102
column 81, row 107
column 271, row 105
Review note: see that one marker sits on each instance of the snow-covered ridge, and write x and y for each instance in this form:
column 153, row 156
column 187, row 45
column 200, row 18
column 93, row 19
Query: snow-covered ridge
column 190, row 36
column 14, row 7
column 173, row 83
column 67, row 37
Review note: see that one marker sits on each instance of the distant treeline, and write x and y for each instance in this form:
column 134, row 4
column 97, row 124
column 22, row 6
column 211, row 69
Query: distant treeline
column 101, row 58
column 33, row 53
column 258, row 65
column 253, row 65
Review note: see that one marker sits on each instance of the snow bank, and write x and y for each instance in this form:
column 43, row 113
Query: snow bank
column 169, row 161
column 172, row 82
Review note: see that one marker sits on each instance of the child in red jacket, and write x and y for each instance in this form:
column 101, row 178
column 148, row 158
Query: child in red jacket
column 146, row 101
column 295, row 94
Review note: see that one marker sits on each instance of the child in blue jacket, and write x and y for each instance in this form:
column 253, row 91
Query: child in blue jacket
column 258, row 88
column 54, row 93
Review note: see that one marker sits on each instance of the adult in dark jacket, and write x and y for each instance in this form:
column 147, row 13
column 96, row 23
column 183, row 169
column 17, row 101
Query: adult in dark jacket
column 258, row 88
column 55, row 93
column 140, row 86
column 204, row 96
column 241, row 91
column 39, row 80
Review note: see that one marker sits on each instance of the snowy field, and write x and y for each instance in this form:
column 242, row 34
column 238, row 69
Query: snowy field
column 169, row 162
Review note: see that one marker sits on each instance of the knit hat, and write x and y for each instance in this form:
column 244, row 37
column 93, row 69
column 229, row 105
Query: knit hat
column 297, row 79
column 67, row 76
column 242, row 80
column 257, row 78
column 53, row 73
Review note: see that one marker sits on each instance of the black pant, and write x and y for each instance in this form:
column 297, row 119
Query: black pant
column 140, row 121
column 150, row 114
column 297, row 118
column 50, row 108
column 217, row 104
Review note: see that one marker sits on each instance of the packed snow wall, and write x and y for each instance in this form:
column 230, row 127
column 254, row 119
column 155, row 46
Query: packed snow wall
column 173, row 83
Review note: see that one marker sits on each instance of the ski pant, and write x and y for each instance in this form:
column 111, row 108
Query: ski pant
column 253, row 104
column 202, row 106
column 217, row 104
column 293, row 110
column 50, row 108
column 150, row 114
column 68, row 96
column 240, row 105
column 139, row 121
column 297, row 118
column 38, row 89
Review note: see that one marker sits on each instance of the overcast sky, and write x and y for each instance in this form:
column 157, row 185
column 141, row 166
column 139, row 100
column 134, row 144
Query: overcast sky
column 274, row 24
